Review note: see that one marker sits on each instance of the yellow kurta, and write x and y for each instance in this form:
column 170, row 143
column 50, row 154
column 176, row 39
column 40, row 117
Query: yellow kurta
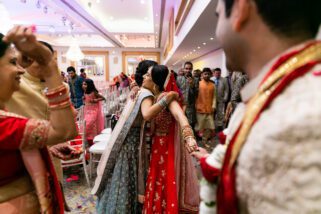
column 31, row 102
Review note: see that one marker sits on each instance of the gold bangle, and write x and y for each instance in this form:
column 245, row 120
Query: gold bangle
column 187, row 131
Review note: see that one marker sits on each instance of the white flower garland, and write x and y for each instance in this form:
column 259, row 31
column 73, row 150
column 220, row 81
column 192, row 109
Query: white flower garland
column 207, row 189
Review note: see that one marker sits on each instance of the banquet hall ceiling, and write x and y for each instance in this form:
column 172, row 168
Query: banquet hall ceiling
column 96, row 23
column 113, row 24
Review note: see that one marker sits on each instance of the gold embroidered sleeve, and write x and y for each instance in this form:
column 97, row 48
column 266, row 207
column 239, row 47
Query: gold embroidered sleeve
column 35, row 134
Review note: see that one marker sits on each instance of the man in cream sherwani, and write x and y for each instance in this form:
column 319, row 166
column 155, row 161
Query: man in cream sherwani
column 272, row 163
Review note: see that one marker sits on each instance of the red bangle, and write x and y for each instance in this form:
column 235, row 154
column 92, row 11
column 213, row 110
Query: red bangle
column 58, row 102
column 60, row 105
column 56, row 92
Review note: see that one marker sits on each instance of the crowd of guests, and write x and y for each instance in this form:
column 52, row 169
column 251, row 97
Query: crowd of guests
column 209, row 99
column 269, row 163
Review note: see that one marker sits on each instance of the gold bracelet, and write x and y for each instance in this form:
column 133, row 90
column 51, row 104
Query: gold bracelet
column 187, row 131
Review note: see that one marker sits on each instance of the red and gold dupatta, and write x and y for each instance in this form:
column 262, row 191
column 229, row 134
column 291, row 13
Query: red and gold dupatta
column 37, row 162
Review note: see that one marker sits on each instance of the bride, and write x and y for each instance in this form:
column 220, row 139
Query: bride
column 172, row 184
column 119, row 174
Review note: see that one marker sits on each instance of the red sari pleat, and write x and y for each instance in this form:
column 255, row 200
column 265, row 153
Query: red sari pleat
column 161, row 190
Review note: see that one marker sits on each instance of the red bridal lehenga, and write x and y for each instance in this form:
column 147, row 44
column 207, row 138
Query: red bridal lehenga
column 172, row 184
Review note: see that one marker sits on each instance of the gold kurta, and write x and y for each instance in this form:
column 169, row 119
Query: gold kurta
column 30, row 102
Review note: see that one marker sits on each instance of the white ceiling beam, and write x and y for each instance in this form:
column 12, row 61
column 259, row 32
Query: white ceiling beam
column 77, row 11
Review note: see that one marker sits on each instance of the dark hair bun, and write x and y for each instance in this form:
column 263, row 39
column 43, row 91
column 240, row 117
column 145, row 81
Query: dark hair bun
column 142, row 69
column 3, row 46
column 159, row 74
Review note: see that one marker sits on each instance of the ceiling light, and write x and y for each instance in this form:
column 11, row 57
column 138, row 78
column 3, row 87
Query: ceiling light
column 98, row 1
column 204, row 43
column 211, row 38
column 67, row 22
column 38, row 4
column 111, row 18
column 64, row 20
column 142, row 1
column 74, row 52
column 194, row 50
column 198, row 47
column 45, row 9
column 52, row 29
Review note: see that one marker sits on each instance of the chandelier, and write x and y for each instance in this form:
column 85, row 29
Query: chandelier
column 74, row 52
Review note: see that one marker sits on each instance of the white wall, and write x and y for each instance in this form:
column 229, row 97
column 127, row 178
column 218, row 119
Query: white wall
column 212, row 60
column 114, row 68
column 197, row 8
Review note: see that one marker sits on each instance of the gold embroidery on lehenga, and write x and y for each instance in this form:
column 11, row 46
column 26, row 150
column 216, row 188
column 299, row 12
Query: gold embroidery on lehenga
column 35, row 134
column 9, row 114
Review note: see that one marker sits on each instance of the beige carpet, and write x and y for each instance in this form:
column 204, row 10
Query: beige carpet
column 77, row 192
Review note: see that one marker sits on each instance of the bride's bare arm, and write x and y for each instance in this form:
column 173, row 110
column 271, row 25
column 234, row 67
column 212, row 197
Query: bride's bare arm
column 178, row 113
column 187, row 132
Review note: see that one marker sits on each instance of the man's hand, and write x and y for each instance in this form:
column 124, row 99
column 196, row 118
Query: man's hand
column 190, row 81
column 200, row 153
column 64, row 151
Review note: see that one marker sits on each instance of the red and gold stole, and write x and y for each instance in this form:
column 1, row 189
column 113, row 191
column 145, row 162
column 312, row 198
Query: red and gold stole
column 37, row 161
column 289, row 67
